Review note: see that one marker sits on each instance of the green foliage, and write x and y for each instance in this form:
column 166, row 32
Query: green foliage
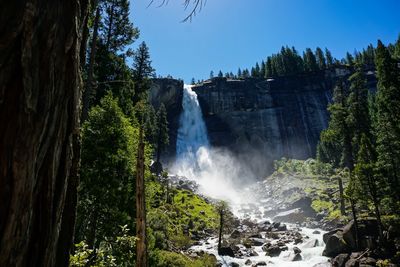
column 118, row 251
column 142, row 72
column 162, row 138
column 388, row 121
column 173, row 220
column 106, row 191
column 116, row 29
column 162, row 258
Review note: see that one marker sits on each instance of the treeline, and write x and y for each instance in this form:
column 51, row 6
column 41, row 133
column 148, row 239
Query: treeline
column 363, row 135
column 288, row 61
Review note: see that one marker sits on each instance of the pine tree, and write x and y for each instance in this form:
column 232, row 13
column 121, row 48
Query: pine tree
column 321, row 61
column 369, row 183
column 310, row 61
column 257, row 70
column 349, row 59
column 358, row 118
column 329, row 58
column 193, row 81
column 239, row 73
column 211, row 74
column 397, row 49
column 268, row 70
column 142, row 72
column 116, row 29
column 220, row 74
column 262, row 69
column 162, row 131
column 388, row 120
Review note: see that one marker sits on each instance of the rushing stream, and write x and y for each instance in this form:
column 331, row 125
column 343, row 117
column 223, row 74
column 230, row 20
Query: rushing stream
column 217, row 174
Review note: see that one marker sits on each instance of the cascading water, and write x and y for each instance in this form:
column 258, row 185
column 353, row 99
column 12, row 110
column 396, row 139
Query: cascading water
column 217, row 173
column 196, row 160
column 192, row 132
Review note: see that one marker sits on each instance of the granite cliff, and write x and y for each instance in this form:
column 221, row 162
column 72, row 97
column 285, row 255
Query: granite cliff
column 260, row 120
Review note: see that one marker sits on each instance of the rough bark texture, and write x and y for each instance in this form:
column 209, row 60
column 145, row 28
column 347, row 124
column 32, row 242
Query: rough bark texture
column 141, row 246
column 40, row 90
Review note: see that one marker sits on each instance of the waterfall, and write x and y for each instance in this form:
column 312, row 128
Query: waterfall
column 212, row 169
column 192, row 132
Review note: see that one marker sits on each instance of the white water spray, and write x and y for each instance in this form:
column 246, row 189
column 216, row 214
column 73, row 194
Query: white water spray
column 213, row 170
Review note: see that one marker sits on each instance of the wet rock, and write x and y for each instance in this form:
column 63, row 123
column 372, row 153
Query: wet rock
column 273, row 251
column 256, row 241
column 352, row 263
column 295, row 257
column 248, row 262
column 252, row 253
column 296, row 250
column 340, row 260
column 260, row 263
column 226, row 251
column 236, row 234
column 335, row 245
column 316, row 232
column 234, row 264
column 367, row 261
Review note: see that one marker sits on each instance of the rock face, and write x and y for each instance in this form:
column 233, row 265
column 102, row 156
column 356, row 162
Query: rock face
column 261, row 120
column 169, row 92
column 268, row 119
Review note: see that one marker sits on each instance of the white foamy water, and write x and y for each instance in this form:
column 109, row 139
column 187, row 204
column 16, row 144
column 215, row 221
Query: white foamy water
column 212, row 169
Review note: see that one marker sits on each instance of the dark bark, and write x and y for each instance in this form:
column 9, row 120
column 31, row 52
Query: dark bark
column 353, row 210
column 88, row 92
column 40, row 90
column 341, row 195
column 141, row 246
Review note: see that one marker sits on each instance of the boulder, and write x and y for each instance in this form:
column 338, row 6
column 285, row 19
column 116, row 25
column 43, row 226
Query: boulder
column 235, row 234
column 335, row 245
column 295, row 257
column 326, row 236
column 260, row 263
column 273, row 251
column 296, row 250
column 340, row 260
column 256, row 241
column 234, row 264
column 226, row 251
column 248, row 262
column 352, row 263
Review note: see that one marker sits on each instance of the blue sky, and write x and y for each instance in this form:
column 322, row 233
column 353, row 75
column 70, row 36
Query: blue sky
column 228, row 34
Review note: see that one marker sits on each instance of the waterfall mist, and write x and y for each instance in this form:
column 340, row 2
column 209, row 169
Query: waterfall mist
column 217, row 171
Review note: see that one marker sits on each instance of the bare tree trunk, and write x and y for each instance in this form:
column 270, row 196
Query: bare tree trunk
column 141, row 246
column 341, row 195
column 40, row 91
column 88, row 92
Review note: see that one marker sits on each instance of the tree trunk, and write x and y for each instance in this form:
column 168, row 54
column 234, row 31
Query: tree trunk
column 88, row 92
column 40, row 90
column 110, row 25
column 353, row 210
column 141, row 246
column 341, row 195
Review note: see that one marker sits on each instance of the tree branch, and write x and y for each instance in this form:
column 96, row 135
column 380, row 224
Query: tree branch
column 197, row 6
